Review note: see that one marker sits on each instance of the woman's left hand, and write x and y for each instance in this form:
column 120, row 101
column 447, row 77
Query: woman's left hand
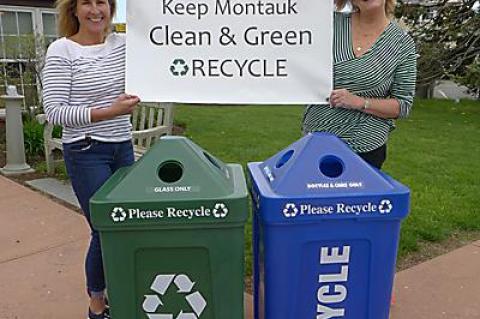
column 345, row 99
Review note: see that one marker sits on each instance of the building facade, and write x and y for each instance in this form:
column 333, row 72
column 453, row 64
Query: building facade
column 26, row 29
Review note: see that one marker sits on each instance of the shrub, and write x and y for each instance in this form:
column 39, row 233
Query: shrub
column 33, row 138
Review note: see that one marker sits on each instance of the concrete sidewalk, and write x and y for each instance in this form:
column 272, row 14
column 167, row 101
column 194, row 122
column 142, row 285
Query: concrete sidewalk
column 42, row 248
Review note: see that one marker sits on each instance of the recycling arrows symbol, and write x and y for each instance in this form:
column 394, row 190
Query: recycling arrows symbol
column 184, row 285
column 290, row 210
column 118, row 214
column 220, row 210
column 385, row 206
column 179, row 67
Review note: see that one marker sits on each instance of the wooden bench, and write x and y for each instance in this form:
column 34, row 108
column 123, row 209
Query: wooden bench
column 150, row 121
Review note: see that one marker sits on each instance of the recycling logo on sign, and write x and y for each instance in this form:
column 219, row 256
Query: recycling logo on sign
column 160, row 285
column 290, row 210
column 179, row 67
column 385, row 206
column 220, row 210
column 118, row 214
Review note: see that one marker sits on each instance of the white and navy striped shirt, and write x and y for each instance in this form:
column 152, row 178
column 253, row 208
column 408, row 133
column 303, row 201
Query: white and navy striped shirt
column 386, row 70
column 77, row 79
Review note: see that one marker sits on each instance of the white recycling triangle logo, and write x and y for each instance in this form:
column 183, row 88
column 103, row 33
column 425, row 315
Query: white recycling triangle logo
column 290, row 210
column 220, row 210
column 118, row 214
column 184, row 285
column 385, row 206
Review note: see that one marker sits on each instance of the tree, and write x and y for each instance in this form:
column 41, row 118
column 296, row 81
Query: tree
column 21, row 65
column 471, row 77
column 447, row 34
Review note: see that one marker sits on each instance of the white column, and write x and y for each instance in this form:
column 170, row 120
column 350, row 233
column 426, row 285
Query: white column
column 14, row 132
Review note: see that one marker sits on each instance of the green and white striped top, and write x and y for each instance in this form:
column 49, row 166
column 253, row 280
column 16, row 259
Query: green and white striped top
column 386, row 70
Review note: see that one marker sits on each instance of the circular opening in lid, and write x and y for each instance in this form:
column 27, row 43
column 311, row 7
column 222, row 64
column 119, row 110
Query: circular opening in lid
column 170, row 171
column 331, row 166
column 284, row 159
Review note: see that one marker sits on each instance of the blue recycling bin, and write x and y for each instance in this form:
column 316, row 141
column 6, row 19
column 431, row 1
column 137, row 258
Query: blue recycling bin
column 326, row 228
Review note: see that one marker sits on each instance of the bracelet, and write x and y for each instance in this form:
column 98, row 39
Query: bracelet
column 366, row 105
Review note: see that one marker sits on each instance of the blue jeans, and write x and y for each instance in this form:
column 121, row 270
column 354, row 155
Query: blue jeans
column 89, row 164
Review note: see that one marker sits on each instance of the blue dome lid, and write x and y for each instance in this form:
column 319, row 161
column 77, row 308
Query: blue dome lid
column 320, row 164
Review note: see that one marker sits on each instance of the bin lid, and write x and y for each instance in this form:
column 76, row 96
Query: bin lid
column 174, row 169
column 322, row 165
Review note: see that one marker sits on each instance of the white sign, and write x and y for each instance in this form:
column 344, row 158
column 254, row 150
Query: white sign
column 335, row 185
column 230, row 51
column 291, row 210
column 119, row 214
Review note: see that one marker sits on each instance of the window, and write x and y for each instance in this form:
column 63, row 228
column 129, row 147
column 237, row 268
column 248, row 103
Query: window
column 24, row 35
column 49, row 27
column 17, row 32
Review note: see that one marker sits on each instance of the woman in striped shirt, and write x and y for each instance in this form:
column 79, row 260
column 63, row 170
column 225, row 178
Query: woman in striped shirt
column 84, row 92
column 374, row 79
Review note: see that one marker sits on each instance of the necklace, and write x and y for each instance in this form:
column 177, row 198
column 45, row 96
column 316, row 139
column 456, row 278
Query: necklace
column 367, row 36
column 366, row 40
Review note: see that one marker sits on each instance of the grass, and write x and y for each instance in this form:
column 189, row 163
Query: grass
column 237, row 134
column 60, row 170
column 436, row 152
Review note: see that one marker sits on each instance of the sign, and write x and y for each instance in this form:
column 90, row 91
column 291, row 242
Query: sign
column 230, row 51
column 384, row 207
column 119, row 214
column 333, row 289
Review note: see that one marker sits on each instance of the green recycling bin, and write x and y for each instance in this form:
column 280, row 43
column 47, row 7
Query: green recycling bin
column 172, row 235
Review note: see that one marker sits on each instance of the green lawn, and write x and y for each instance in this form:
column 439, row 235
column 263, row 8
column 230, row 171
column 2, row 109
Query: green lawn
column 436, row 152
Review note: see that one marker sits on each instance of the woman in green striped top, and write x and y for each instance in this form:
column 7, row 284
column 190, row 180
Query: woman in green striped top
column 374, row 79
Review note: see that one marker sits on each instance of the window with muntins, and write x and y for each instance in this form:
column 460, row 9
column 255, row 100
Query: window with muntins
column 25, row 33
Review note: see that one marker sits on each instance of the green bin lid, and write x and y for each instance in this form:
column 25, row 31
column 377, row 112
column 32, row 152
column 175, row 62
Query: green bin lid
column 174, row 168
column 175, row 174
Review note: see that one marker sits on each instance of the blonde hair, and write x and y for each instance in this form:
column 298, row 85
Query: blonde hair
column 68, row 24
column 389, row 6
